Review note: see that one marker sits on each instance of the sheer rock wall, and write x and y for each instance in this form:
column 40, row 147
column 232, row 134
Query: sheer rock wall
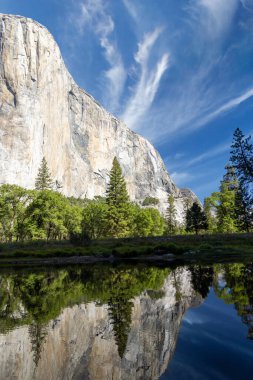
column 44, row 113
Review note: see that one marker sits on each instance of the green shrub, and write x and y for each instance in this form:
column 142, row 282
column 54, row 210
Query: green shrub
column 150, row 201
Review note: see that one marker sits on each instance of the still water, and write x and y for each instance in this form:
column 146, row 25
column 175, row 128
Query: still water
column 127, row 322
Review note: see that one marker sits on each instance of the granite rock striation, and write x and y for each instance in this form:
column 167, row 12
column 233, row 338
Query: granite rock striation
column 43, row 112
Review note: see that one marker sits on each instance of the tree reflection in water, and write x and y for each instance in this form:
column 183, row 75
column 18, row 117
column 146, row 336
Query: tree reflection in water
column 236, row 287
column 38, row 297
column 35, row 299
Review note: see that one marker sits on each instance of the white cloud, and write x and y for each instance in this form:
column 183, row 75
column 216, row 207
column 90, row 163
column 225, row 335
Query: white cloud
column 202, row 93
column 196, row 98
column 201, row 158
column 247, row 4
column 228, row 106
column 145, row 90
column 131, row 9
column 209, row 154
column 215, row 15
column 93, row 14
column 181, row 178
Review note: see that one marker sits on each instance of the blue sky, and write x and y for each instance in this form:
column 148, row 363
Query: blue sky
column 179, row 72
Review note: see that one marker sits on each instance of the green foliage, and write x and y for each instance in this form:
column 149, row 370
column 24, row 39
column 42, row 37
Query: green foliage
column 242, row 157
column 150, row 201
column 237, row 289
column 73, row 216
column 223, row 203
column 13, row 204
column 171, row 216
column 43, row 180
column 47, row 214
column 36, row 298
column 243, row 210
column 94, row 221
column 196, row 219
column 242, row 160
column 187, row 204
column 146, row 222
column 226, row 209
column 117, row 199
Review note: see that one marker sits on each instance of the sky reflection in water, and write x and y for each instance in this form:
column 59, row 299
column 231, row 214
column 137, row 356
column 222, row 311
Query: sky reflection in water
column 212, row 344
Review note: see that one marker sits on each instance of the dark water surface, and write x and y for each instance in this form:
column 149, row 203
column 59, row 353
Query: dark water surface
column 127, row 322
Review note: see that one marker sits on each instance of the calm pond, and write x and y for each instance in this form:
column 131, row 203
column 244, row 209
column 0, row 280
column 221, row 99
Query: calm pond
column 127, row 322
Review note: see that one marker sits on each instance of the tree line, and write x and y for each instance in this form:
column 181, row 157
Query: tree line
column 43, row 213
column 230, row 209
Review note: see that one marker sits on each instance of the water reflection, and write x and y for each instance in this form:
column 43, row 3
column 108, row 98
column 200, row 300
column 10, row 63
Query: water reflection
column 103, row 322
column 237, row 288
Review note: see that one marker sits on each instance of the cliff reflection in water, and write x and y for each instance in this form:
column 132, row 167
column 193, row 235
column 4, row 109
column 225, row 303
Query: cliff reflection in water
column 104, row 322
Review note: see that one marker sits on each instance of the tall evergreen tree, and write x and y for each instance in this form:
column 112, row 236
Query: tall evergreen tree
column 242, row 157
column 117, row 199
column 196, row 219
column 187, row 204
column 243, row 210
column 226, row 203
column 230, row 178
column 171, row 214
column 43, row 180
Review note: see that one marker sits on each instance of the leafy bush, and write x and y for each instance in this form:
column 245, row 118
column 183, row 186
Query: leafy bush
column 150, row 201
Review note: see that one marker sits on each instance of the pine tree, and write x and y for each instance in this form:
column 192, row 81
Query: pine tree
column 230, row 178
column 242, row 157
column 171, row 216
column 226, row 207
column 187, row 204
column 243, row 210
column 43, row 180
column 117, row 199
column 196, row 219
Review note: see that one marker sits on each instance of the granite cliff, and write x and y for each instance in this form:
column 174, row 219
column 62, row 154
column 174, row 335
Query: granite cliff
column 44, row 113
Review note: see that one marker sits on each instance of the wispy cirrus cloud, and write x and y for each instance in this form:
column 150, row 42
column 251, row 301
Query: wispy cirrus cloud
column 215, row 15
column 211, row 153
column 247, row 4
column 181, row 178
column 144, row 92
column 201, row 159
column 93, row 14
column 228, row 106
column 205, row 91
column 130, row 7
column 131, row 88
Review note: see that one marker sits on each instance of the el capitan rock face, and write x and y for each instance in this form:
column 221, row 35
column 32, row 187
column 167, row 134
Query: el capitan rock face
column 44, row 113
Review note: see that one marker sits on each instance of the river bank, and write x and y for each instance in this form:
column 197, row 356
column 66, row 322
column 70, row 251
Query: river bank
column 169, row 248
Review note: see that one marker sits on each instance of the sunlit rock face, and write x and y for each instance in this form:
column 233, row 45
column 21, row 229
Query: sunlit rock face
column 81, row 343
column 44, row 113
